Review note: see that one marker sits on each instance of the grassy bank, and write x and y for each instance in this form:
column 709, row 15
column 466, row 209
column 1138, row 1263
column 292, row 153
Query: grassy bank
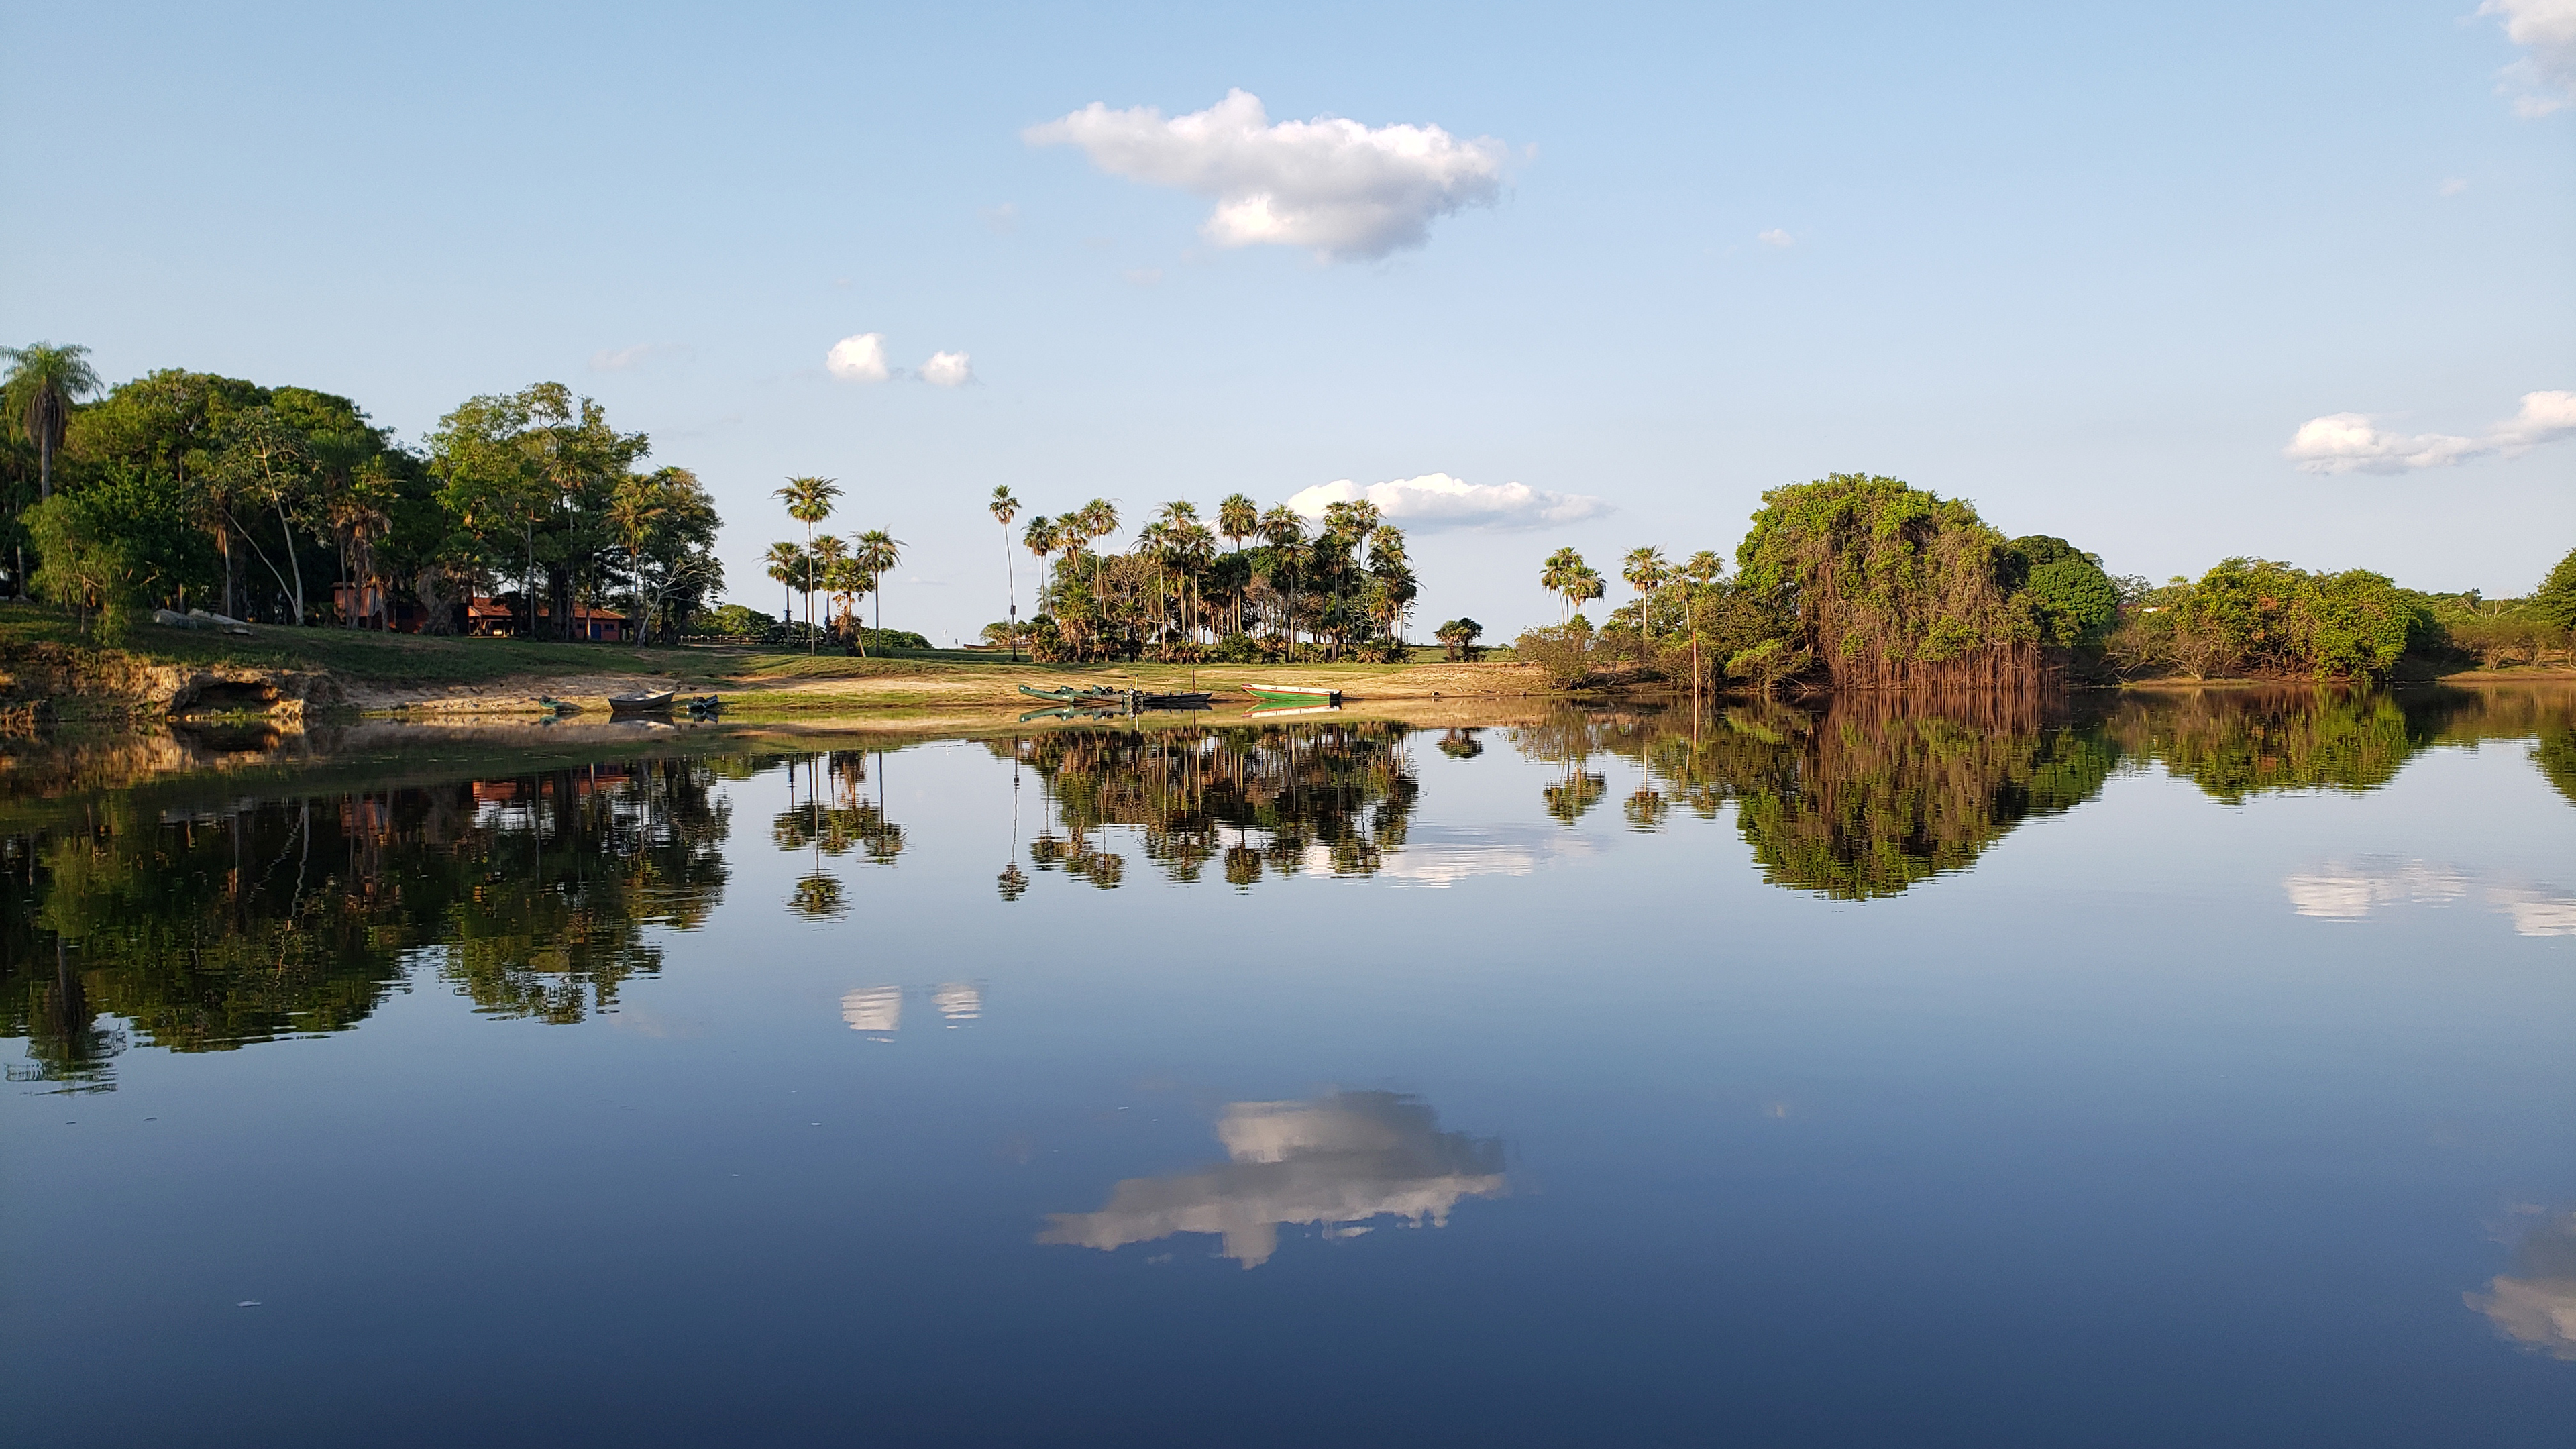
column 403, row 671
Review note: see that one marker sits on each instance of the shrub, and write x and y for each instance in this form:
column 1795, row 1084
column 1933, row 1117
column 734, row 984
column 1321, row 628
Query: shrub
column 1237, row 648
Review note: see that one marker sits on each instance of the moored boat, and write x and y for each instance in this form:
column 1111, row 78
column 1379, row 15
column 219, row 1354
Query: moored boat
column 639, row 703
column 1269, row 694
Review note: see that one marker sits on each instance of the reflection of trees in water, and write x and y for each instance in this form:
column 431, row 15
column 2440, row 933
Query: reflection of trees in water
column 2555, row 754
column 210, row 929
column 834, row 818
column 1875, row 792
column 1251, row 798
column 1883, row 791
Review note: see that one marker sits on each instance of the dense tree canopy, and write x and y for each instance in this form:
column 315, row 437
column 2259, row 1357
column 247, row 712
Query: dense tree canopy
column 188, row 489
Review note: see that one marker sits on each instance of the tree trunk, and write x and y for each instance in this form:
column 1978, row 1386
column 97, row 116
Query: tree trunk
column 287, row 531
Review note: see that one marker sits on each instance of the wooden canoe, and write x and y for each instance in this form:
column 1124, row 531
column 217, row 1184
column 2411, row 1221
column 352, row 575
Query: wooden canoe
column 639, row 703
column 1293, row 694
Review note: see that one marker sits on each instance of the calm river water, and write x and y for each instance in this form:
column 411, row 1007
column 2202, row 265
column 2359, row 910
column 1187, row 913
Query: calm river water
column 2190, row 1070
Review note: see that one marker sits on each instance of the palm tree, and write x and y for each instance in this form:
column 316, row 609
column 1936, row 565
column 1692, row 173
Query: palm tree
column 45, row 381
column 1647, row 573
column 1196, row 549
column 1561, row 575
column 828, row 554
column 632, row 510
column 1039, row 538
column 878, row 552
column 1238, row 518
column 1097, row 520
column 786, row 564
column 1587, row 586
column 809, row 501
column 1004, row 508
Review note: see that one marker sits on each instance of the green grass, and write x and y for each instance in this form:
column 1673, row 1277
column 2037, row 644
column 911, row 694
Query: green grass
column 357, row 655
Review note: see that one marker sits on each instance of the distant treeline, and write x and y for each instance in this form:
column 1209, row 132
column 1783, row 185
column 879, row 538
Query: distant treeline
column 289, row 505
column 1860, row 582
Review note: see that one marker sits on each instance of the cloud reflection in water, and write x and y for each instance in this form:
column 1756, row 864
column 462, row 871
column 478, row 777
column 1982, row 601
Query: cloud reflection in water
column 1336, row 1162
column 2535, row 1306
column 2352, row 890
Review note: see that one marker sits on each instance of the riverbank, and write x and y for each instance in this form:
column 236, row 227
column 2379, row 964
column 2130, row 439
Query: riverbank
column 159, row 671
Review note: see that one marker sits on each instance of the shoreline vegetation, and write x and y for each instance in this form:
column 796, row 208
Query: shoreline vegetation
column 522, row 550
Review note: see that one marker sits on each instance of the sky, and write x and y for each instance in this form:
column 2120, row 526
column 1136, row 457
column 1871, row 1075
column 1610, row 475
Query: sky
column 2175, row 282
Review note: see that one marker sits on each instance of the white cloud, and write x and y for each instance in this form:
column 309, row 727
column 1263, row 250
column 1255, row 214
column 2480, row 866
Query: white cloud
column 1003, row 219
column 1776, row 237
column 1436, row 501
column 2546, row 77
column 1341, row 188
column 948, row 369
column 2353, row 443
column 2545, row 417
column 2350, row 443
column 859, row 359
column 2454, row 187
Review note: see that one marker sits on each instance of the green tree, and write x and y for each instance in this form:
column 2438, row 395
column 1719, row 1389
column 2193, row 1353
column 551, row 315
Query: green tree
column 2074, row 601
column 1889, row 585
column 877, row 552
column 1647, row 573
column 809, row 501
column 45, row 382
column 786, row 566
column 1562, row 575
column 2555, row 599
column 1004, row 507
column 1459, row 637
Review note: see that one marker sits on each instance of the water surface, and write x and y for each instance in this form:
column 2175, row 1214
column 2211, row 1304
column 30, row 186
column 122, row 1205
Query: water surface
column 2188, row 1069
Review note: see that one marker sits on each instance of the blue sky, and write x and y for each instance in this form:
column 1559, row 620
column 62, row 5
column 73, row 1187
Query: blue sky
column 2093, row 269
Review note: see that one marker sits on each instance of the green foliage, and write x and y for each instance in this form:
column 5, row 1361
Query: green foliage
column 2555, row 600
column 735, row 621
column 2073, row 601
column 1889, row 585
column 2260, row 617
column 1458, row 637
column 1571, row 653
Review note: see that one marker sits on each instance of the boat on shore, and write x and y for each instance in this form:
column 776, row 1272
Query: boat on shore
column 1294, row 694
column 631, row 704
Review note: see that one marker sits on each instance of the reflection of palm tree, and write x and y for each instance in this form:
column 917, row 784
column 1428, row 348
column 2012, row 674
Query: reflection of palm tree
column 817, row 897
column 1647, row 808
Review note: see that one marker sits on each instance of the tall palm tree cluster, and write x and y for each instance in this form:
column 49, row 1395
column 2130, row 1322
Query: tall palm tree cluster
column 841, row 570
column 1282, row 588
column 188, row 489
column 1683, row 618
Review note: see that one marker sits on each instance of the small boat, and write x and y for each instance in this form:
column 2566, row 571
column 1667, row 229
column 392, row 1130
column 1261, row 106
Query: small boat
column 705, row 706
column 1296, row 694
column 639, row 703
column 1183, row 699
column 1067, row 694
